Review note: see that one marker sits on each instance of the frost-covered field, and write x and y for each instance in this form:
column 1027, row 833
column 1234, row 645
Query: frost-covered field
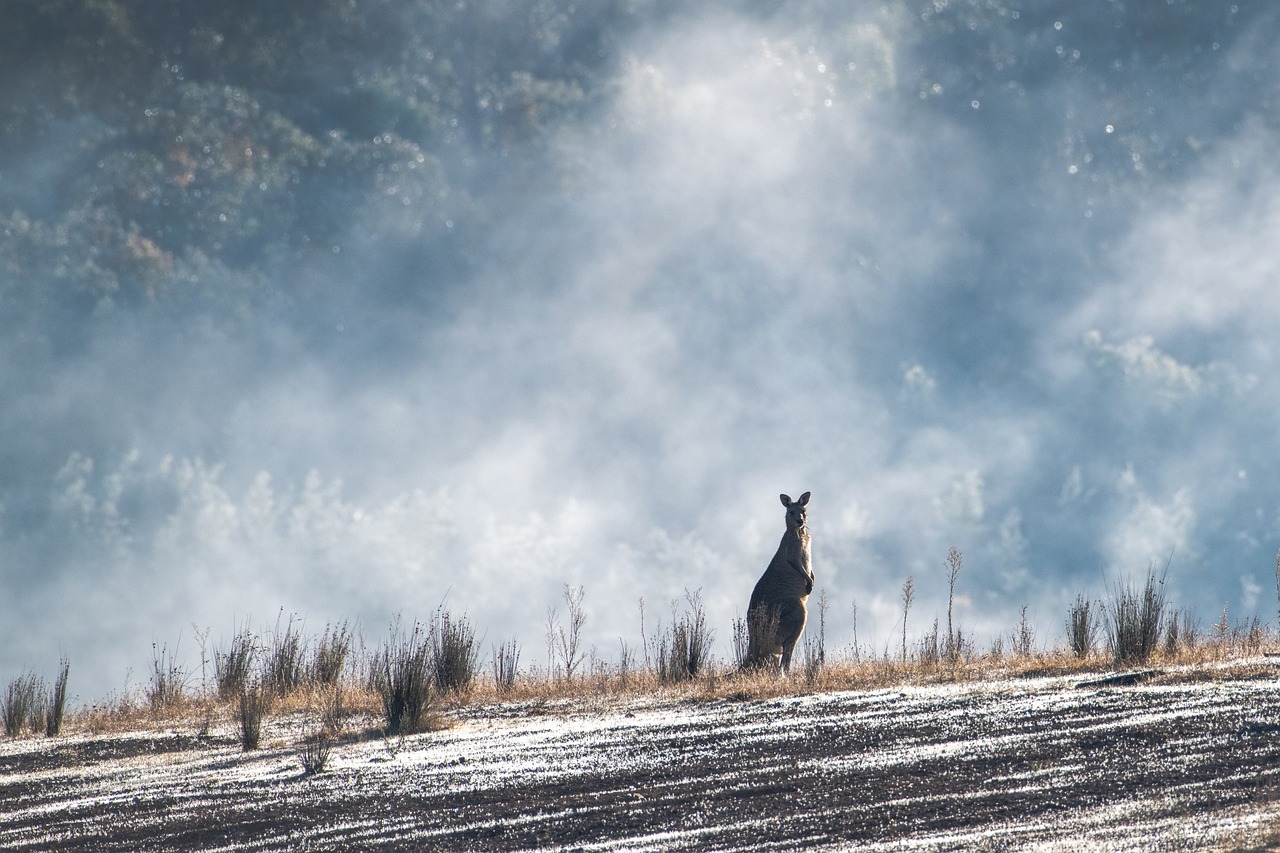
column 1184, row 760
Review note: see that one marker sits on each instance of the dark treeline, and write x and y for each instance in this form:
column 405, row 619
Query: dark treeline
column 184, row 152
column 176, row 152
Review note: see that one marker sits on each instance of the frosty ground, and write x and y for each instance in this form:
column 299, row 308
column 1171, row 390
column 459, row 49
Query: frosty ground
column 1188, row 758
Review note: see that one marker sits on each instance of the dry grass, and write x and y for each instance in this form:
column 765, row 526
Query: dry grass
column 359, row 706
column 253, row 708
column 352, row 706
column 728, row 682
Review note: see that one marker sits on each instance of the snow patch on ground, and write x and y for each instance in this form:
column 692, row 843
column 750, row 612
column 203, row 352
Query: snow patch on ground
column 1030, row 763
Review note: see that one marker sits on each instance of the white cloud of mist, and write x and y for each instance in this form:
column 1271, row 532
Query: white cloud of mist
column 1196, row 263
column 773, row 261
column 1138, row 360
column 1149, row 532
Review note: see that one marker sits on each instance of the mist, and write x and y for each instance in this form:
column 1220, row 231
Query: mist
column 976, row 275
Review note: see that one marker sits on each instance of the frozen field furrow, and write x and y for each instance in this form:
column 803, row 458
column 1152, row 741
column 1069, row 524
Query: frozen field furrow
column 1034, row 763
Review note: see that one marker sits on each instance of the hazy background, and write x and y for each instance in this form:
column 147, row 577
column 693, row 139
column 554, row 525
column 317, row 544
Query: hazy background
column 354, row 309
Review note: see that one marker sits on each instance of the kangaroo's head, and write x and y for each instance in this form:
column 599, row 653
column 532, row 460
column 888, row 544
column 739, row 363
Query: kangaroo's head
column 795, row 511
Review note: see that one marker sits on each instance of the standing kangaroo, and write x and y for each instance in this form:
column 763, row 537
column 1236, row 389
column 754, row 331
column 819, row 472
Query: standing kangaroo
column 776, row 614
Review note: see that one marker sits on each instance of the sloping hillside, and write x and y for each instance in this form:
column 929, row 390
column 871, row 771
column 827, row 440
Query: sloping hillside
column 1187, row 759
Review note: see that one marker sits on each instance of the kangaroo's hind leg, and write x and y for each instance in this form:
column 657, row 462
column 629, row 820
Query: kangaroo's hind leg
column 791, row 619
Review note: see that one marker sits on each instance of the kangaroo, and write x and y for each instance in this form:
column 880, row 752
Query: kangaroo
column 776, row 614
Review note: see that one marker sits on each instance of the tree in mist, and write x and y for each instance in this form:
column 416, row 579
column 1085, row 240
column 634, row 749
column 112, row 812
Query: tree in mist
column 215, row 153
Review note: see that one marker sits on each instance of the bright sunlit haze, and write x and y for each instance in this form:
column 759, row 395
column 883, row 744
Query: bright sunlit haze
column 357, row 309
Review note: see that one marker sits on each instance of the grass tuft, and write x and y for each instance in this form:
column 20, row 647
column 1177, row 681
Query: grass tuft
column 685, row 650
column 55, row 708
column 20, row 703
column 1022, row 640
column 315, row 752
column 741, row 643
column 815, row 644
column 333, row 714
column 284, row 669
column 930, row 653
column 1135, row 619
column 506, row 662
column 168, row 685
column 399, row 681
column 331, row 655
column 453, row 653
column 232, row 668
column 1082, row 628
column 402, row 677
column 255, row 704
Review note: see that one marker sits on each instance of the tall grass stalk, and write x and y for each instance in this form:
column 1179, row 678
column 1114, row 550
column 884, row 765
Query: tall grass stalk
column 453, row 652
column 1135, row 619
column 56, row 706
column 741, row 642
column 569, row 643
column 19, row 703
column 1082, row 628
column 685, row 651
column 1250, row 635
column 931, row 647
column 815, row 643
column 331, row 655
column 333, row 712
column 1181, row 634
column 168, row 683
column 551, row 632
column 1022, row 641
column 908, row 595
column 626, row 662
column 857, row 653
column 284, row 667
column 233, row 667
column 255, row 704
column 644, row 638
column 315, row 752
column 402, row 678
column 951, row 646
column 506, row 662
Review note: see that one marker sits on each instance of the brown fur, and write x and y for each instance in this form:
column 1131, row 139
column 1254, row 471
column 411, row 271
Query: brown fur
column 779, row 596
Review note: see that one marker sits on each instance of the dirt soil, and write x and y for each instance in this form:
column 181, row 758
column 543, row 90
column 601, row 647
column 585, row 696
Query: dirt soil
column 1170, row 762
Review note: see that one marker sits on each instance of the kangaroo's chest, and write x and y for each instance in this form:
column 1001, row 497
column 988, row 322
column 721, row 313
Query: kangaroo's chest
column 791, row 562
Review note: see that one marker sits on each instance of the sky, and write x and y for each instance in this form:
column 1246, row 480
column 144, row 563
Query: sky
column 988, row 276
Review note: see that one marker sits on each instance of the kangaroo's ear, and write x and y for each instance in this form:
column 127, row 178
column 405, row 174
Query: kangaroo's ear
column 786, row 501
column 804, row 499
